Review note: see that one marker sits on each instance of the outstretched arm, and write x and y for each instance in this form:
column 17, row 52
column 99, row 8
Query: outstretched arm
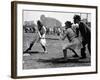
column 63, row 35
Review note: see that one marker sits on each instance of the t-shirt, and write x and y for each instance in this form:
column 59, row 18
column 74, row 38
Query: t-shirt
column 42, row 32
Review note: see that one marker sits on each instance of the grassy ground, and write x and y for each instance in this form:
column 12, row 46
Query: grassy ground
column 53, row 59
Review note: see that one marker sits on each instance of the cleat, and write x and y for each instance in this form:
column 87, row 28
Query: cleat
column 26, row 54
column 75, row 56
column 82, row 58
column 45, row 52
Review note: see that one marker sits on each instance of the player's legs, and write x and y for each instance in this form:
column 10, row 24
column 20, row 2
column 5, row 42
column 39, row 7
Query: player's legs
column 89, row 47
column 43, row 44
column 69, row 46
column 30, row 47
column 75, row 54
column 83, row 54
column 65, row 47
column 44, row 48
column 65, row 53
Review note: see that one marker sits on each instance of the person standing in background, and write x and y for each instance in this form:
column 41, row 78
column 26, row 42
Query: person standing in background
column 85, row 33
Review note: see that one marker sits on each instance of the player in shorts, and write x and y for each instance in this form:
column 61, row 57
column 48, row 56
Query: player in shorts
column 41, row 31
column 42, row 34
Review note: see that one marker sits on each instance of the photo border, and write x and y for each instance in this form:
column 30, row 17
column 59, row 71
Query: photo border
column 14, row 37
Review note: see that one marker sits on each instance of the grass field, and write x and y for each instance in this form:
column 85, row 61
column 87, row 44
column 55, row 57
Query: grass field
column 54, row 57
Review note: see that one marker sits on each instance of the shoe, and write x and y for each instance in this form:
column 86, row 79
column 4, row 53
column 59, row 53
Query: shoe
column 82, row 58
column 65, row 59
column 26, row 54
column 75, row 56
column 27, row 50
column 45, row 52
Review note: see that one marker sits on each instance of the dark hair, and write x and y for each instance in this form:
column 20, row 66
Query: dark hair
column 68, row 23
column 39, row 23
column 77, row 17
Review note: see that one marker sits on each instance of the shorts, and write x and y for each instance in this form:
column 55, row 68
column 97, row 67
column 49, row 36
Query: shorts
column 43, row 42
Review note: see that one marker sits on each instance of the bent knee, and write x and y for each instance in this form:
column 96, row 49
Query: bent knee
column 64, row 47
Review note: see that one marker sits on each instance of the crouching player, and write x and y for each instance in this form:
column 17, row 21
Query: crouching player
column 73, row 43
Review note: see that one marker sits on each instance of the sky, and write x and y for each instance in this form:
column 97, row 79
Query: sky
column 61, row 16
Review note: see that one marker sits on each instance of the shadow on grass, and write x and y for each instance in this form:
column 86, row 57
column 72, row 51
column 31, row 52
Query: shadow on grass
column 62, row 60
column 32, row 52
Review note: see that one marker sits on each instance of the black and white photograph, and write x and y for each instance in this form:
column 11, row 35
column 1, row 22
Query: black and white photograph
column 54, row 39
